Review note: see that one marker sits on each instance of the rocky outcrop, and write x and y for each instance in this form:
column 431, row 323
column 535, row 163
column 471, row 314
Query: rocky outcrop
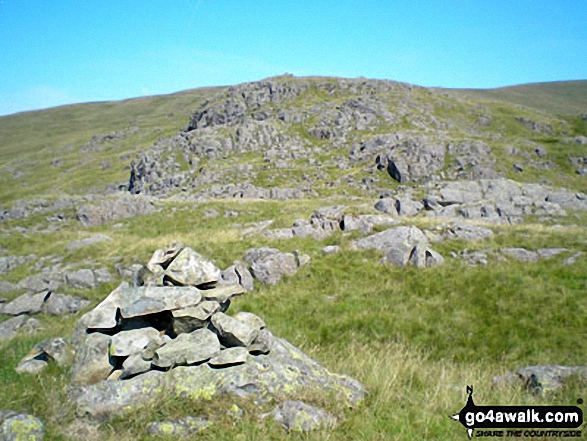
column 542, row 379
column 120, row 206
column 405, row 245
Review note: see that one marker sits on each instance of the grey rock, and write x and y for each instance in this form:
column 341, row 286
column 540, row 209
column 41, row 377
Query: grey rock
column 238, row 274
column 31, row 326
column 573, row 259
column 328, row 218
column 194, row 317
column 284, row 372
column 59, row 304
column 223, row 293
column 250, row 319
column 135, row 364
column 103, row 316
column 182, row 428
column 521, row 254
column 32, row 367
column 82, row 279
column 406, row 206
column 393, row 238
column 96, row 238
column 547, row 253
column 386, row 205
column 233, row 332
column 26, row 304
column 120, row 206
column 55, row 349
column 544, row 378
column 331, row 249
column 366, row 222
column 467, row 231
column 92, row 363
column 423, row 256
column 130, row 342
column 229, row 357
column 269, row 265
column 22, row 427
column 190, row 268
column 141, row 301
column 298, row 416
column 415, row 159
column 44, row 281
column 195, row 347
column 6, row 287
column 8, row 263
column 461, row 192
column 279, row 233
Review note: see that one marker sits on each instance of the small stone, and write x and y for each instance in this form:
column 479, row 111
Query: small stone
column 230, row 357
column 222, row 293
column 331, row 249
column 32, row 367
column 250, row 319
column 189, row 319
column 126, row 343
column 195, row 347
column 232, row 332
column 134, row 365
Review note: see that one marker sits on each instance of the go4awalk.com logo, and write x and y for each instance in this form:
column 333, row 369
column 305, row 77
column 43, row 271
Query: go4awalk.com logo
column 518, row 421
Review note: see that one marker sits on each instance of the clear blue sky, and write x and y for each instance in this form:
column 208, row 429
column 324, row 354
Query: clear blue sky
column 55, row 52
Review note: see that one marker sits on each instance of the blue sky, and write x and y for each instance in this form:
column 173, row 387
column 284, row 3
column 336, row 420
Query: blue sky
column 67, row 51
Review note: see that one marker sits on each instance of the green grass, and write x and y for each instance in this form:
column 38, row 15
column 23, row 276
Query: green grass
column 414, row 338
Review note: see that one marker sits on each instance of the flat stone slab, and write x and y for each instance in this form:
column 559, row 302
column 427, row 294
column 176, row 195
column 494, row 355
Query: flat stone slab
column 130, row 342
column 195, row 347
column 230, row 356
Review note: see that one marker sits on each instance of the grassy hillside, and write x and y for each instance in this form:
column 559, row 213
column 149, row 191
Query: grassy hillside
column 560, row 98
column 414, row 337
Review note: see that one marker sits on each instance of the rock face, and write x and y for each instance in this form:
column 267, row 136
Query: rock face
column 120, row 206
column 136, row 333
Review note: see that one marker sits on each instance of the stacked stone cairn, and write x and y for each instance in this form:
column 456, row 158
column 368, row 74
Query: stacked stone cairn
column 170, row 334
column 176, row 318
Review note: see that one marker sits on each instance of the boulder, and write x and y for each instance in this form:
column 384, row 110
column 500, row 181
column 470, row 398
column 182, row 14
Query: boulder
column 393, row 238
column 26, row 304
column 269, row 265
column 122, row 205
column 55, row 349
column 238, row 274
column 16, row 427
column 230, row 357
column 386, row 205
